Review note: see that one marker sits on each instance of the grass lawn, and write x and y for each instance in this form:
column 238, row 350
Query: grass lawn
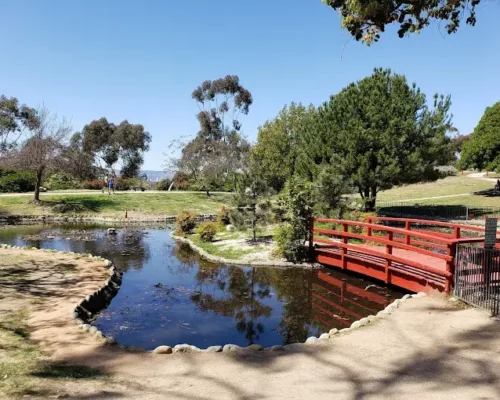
column 137, row 205
column 449, row 186
column 471, row 201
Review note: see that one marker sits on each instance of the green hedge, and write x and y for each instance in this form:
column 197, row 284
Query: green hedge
column 18, row 182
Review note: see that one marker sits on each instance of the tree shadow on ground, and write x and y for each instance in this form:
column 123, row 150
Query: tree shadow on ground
column 464, row 361
column 488, row 193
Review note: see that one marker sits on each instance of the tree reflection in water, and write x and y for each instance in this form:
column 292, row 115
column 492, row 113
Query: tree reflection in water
column 244, row 290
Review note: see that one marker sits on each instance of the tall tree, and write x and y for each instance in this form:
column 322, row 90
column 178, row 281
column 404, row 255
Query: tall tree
column 278, row 143
column 219, row 150
column 43, row 145
column 108, row 143
column 384, row 133
column 76, row 162
column 366, row 19
column 482, row 150
column 15, row 119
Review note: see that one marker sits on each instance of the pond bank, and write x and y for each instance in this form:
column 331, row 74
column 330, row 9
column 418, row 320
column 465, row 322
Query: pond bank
column 425, row 348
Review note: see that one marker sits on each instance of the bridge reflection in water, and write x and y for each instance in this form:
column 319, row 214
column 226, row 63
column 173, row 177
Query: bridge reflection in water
column 337, row 304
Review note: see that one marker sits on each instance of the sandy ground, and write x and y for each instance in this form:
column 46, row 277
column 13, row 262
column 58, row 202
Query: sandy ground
column 428, row 348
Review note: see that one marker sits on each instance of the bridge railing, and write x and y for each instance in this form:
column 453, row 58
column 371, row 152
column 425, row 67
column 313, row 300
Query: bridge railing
column 440, row 246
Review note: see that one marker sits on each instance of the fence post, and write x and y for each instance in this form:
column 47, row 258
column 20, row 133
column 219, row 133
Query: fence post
column 345, row 240
column 456, row 232
column 408, row 228
column 388, row 250
column 450, row 265
column 369, row 230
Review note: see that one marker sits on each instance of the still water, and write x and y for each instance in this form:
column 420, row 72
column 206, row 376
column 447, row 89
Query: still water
column 170, row 296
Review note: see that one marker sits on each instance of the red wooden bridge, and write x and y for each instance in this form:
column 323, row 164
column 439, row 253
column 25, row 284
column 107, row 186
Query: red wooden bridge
column 418, row 256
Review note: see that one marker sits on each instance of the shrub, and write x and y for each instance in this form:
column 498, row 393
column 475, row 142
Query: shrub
column 207, row 231
column 61, row 181
column 94, row 184
column 23, row 181
column 128, row 183
column 223, row 216
column 164, row 184
column 186, row 221
column 288, row 246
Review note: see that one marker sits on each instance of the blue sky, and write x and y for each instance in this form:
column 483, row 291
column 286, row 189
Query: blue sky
column 140, row 60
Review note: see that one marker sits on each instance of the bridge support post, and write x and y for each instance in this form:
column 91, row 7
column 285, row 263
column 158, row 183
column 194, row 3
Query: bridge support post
column 311, row 237
column 388, row 250
column 345, row 240
column 408, row 228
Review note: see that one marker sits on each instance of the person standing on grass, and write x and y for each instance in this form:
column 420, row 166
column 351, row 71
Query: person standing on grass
column 111, row 184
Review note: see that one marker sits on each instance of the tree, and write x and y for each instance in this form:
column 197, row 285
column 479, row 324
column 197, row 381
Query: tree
column 15, row 119
column 482, row 150
column 43, row 146
column 278, row 144
column 219, row 150
column 383, row 134
column 458, row 141
column 366, row 19
column 109, row 143
column 76, row 162
column 252, row 202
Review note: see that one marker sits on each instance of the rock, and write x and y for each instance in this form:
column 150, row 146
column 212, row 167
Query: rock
column 371, row 318
column 230, row 228
column 79, row 321
column 395, row 304
column 111, row 231
column 406, row 297
column 333, row 332
column 255, row 347
column 163, row 350
column 214, row 349
column 93, row 330
column 294, row 347
column 453, row 299
column 345, row 330
column 99, row 334
column 185, row 348
column 421, row 294
column 364, row 321
column 382, row 314
column 108, row 263
column 110, row 340
column 75, row 315
column 311, row 340
column 355, row 325
column 85, row 327
column 324, row 336
column 231, row 347
column 277, row 348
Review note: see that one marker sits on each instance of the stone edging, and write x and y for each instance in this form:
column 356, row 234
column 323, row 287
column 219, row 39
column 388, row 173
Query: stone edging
column 313, row 340
column 93, row 303
column 90, row 218
column 216, row 259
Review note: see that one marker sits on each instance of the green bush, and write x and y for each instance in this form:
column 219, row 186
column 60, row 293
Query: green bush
column 164, row 184
column 288, row 246
column 61, row 181
column 94, row 184
column 185, row 221
column 207, row 231
column 223, row 216
column 128, row 183
column 23, row 181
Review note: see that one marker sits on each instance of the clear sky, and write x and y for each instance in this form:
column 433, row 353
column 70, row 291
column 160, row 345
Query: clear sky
column 140, row 60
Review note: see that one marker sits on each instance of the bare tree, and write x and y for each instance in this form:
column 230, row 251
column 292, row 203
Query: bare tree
column 43, row 146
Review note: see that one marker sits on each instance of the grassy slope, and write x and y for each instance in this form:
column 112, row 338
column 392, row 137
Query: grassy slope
column 443, row 187
column 136, row 205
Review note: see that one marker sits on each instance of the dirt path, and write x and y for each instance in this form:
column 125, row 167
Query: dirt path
column 426, row 349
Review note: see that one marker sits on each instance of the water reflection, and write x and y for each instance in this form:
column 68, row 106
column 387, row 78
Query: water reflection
column 169, row 295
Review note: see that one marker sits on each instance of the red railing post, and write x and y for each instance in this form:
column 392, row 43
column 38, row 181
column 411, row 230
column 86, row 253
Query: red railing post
column 345, row 241
column 388, row 250
column 456, row 232
column 408, row 228
column 369, row 229
column 450, row 266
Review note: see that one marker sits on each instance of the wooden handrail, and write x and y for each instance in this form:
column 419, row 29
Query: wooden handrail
column 377, row 227
column 383, row 240
column 430, row 222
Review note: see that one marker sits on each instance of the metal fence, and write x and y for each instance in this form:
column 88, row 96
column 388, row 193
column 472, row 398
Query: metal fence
column 477, row 277
column 435, row 211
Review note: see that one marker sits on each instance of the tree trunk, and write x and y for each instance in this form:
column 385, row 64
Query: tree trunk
column 371, row 201
column 38, row 183
column 208, row 192
column 254, row 224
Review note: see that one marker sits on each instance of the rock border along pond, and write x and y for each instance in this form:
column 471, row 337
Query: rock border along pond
column 92, row 304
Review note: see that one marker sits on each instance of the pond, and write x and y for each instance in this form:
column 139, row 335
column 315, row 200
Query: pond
column 170, row 296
